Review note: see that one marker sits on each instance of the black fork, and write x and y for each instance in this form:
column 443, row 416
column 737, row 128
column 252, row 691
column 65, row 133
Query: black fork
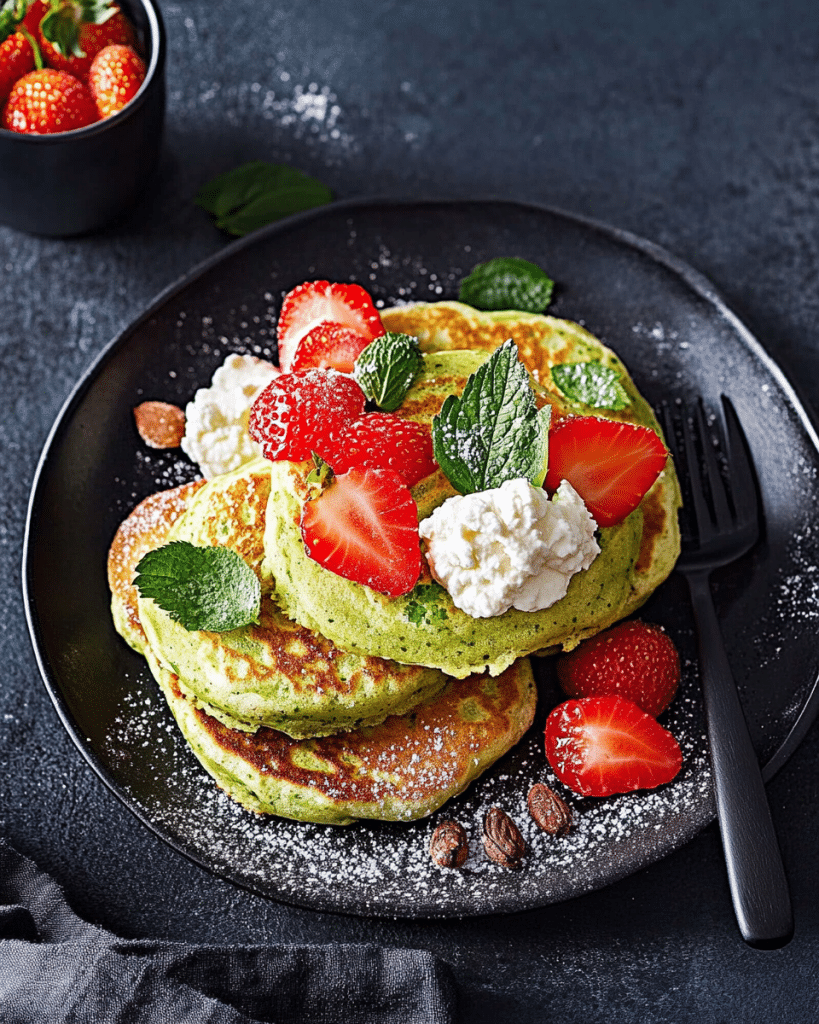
column 721, row 524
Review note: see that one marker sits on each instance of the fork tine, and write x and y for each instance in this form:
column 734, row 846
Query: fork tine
column 719, row 500
column 744, row 489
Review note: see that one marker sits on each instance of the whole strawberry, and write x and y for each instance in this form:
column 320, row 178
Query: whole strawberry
column 298, row 413
column 16, row 60
column 116, row 74
column 73, row 32
column 46, row 102
column 633, row 660
column 382, row 440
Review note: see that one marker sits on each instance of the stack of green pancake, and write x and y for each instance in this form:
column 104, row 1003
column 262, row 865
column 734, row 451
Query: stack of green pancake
column 343, row 703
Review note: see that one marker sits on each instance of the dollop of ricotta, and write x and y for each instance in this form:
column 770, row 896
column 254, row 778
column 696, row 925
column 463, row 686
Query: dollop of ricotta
column 216, row 435
column 509, row 547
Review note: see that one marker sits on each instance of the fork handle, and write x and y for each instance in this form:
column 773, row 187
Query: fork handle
column 759, row 888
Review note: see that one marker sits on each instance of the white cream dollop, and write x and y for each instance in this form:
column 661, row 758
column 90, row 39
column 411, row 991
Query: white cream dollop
column 216, row 435
column 509, row 547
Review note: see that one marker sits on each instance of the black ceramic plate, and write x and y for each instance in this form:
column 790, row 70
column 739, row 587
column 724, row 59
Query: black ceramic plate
column 678, row 339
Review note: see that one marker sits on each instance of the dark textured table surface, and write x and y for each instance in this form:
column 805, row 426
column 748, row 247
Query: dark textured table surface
column 694, row 124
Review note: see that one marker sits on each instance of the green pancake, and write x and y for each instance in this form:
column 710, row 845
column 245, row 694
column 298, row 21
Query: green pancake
column 424, row 627
column 402, row 769
column 275, row 673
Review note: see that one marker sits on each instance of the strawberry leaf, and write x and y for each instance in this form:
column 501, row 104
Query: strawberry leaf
column 494, row 431
column 11, row 14
column 507, row 283
column 258, row 193
column 591, row 384
column 210, row 588
column 387, row 368
column 61, row 25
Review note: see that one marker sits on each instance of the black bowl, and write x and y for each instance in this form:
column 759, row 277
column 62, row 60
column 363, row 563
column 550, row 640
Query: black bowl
column 76, row 182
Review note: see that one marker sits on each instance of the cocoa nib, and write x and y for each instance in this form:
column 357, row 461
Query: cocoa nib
column 160, row 424
column 502, row 839
column 448, row 846
column 549, row 811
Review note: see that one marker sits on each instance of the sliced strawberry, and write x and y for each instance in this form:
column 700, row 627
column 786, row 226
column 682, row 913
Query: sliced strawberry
column 611, row 465
column 297, row 413
column 364, row 527
column 330, row 345
column 634, row 660
column 603, row 745
column 382, row 440
column 319, row 302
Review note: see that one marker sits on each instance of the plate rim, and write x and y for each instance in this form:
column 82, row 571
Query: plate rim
column 696, row 281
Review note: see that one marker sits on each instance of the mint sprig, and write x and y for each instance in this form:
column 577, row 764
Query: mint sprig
column 493, row 431
column 591, row 384
column 258, row 193
column 386, row 369
column 507, row 282
column 210, row 588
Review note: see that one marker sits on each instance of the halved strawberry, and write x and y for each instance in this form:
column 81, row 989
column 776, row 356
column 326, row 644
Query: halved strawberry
column 611, row 465
column 603, row 745
column 318, row 302
column 330, row 346
column 364, row 527
column 382, row 440
column 633, row 659
column 297, row 413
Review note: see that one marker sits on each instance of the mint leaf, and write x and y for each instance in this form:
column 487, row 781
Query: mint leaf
column 591, row 384
column 321, row 474
column 387, row 368
column 257, row 193
column 209, row 588
column 507, row 283
column 493, row 432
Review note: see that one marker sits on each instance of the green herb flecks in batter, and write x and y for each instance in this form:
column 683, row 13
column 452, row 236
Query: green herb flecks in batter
column 507, row 283
column 423, row 606
column 210, row 588
column 387, row 368
column 493, row 432
column 591, row 384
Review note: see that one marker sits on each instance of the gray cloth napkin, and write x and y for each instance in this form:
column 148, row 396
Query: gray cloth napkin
column 56, row 968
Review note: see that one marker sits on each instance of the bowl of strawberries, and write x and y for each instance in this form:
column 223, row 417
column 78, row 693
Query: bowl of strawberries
column 82, row 103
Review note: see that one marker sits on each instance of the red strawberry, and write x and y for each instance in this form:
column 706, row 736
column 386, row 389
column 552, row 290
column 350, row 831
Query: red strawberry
column 330, row 345
column 382, row 440
column 364, row 527
column 75, row 31
column 632, row 659
column 16, row 60
column 35, row 14
column 603, row 745
column 48, row 101
column 297, row 412
column 316, row 302
column 116, row 74
column 611, row 465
